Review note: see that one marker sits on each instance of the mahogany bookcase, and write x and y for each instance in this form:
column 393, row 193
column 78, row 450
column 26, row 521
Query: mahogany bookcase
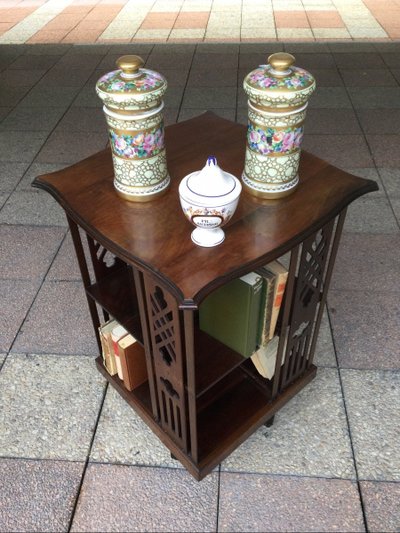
column 202, row 399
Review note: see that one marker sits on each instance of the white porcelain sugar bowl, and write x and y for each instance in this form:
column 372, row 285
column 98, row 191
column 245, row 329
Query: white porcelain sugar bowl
column 209, row 198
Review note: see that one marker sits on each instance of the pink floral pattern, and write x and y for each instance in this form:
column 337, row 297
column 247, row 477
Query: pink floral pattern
column 260, row 78
column 138, row 146
column 112, row 82
column 269, row 140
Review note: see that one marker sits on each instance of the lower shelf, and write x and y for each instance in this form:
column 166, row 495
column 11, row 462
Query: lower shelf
column 224, row 423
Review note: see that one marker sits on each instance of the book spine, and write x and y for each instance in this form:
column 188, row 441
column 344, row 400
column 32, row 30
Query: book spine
column 269, row 297
column 107, row 353
column 278, row 297
column 254, row 318
column 117, row 358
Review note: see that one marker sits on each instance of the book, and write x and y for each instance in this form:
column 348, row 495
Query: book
column 264, row 358
column 231, row 313
column 281, row 274
column 117, row 334
column 133, row 362
column 267, row 301
column 106, row 346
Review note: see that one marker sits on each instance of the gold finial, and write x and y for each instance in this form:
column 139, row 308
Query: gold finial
column 281, row 61
column 130, row 64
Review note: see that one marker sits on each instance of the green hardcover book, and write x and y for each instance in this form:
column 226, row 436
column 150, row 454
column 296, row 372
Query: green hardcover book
column 231, row 314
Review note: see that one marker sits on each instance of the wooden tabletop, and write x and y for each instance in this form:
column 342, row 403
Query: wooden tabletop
column 155, row 236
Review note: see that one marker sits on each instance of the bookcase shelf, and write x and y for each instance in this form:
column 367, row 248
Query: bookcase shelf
column 201, row 398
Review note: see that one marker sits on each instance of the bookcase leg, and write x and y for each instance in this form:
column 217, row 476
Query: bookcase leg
column 269, row 422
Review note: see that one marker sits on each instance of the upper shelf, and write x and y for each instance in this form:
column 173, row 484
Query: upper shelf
column 155, row 235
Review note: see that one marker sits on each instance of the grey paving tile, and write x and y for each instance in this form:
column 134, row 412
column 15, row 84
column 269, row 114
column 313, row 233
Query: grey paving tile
column 38, row 495
column 32, row 119
column 65, row 265
column 254, row 48
column 173, row 98
column 26, row 252
column 366, row 328
column 381, row 504
column 122, row 437
column 274, row 503
column 351, row 47
column 16, row 297
column 4, row 112
column 327, row 77
column 47, row 49
column 375, row 97
column 34, row 170
column 3, row 198
column 71, row 146
column 11, row 96
column 59, row 76
column 304, row 47
column 373, row 406
column 169, row 48
column 391, row 58
column 49, row 406
column 175, row 77
column 330, row 98
column 170, row 115
column 370, row 215
column 158, row 61
column 367, row 262
column 145, row 499
column 366, row 77
column 391, row 181
column 83, row 119
column 32, row 207
column 395, row 203
column 46, row 97
column 2, row 358
column 96, row 49
column 385, row 150
column 213, row 78
column 221, row 97
column 370, row 174
column 324, row 121
column 58, row 303
column 324, row 350
column 379, row 121
column 87, row 96
column 340, row 150
column 250, row 61
column 314, row 60
column 396, row 74
column 309, row 436
column 133, row 48
column 359, row 60
column 223, row 48
column 21, row 78
column 216, row 61
column 186, row 114
column 32, row 62
column 80, row 60
column 21, row 146
column 11, row 174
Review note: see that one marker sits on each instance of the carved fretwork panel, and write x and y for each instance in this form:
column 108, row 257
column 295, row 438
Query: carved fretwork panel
column 166, row 351
column 310, row 284
column 104, row 262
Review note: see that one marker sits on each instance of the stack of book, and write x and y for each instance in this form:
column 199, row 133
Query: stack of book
column 122, row 354
column 243, row 314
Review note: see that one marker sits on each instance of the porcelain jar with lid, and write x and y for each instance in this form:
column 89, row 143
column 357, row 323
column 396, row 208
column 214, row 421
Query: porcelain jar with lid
column 209, row 198
column 133, row 105
column 278, row 96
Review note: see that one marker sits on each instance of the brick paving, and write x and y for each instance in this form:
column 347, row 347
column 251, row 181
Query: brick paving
column 113, row 21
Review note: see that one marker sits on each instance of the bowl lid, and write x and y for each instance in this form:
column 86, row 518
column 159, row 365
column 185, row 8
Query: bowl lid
column 131, row 79
column 211, row 181
column 279, row 75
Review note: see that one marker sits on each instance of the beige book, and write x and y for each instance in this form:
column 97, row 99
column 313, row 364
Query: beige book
column 106, row 346
column 116, row 335
column 133, row 362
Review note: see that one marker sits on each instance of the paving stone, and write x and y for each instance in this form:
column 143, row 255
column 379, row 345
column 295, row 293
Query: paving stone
column 31, row 62
column 80, row 60
column 11, row 174
column 46, row 49
column 65, row 265
column 385, row 150
column 362, row 262
column 391, row 180
column 145, row 499
column 83, row 119
column 4, row 112
column 122, row 437
column 213, row 78
column 87, row 96
column 27, row 252
column 175, row 77
column 174, row 98
column 49, row 406
column 373, row 406
column 35, row 170
column 21, row 78
column 381, row 505
column 20, row 146
column 363, row 60
column 16, row 297
column 327, row 78
column 46, row 97
column 38, row 495
column 32, row 119
column 2, row 359
column 33, row 207
column 59, row 76
column 58, row 303
column 215, row 61
column 391, row 58
column 343, row 151
column 71, row 146
column 375, row 97
column 351, row 47
column 186, row 114
column 275, row 503
column 221, row 97
column 309, row 436
column 330, row 97
column 3, row 199
column 11, row 96
column 324, row 350
column 370, row 215
column 158, row 61
column 312, row 61
column 323, row 120
column 365, row 328
column 379, row 121
column 368, row 77
column 369, row 174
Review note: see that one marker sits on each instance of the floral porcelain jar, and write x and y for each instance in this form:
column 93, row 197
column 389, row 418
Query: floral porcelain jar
column 209, row 198
column 133, row 105
column 278, row 96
